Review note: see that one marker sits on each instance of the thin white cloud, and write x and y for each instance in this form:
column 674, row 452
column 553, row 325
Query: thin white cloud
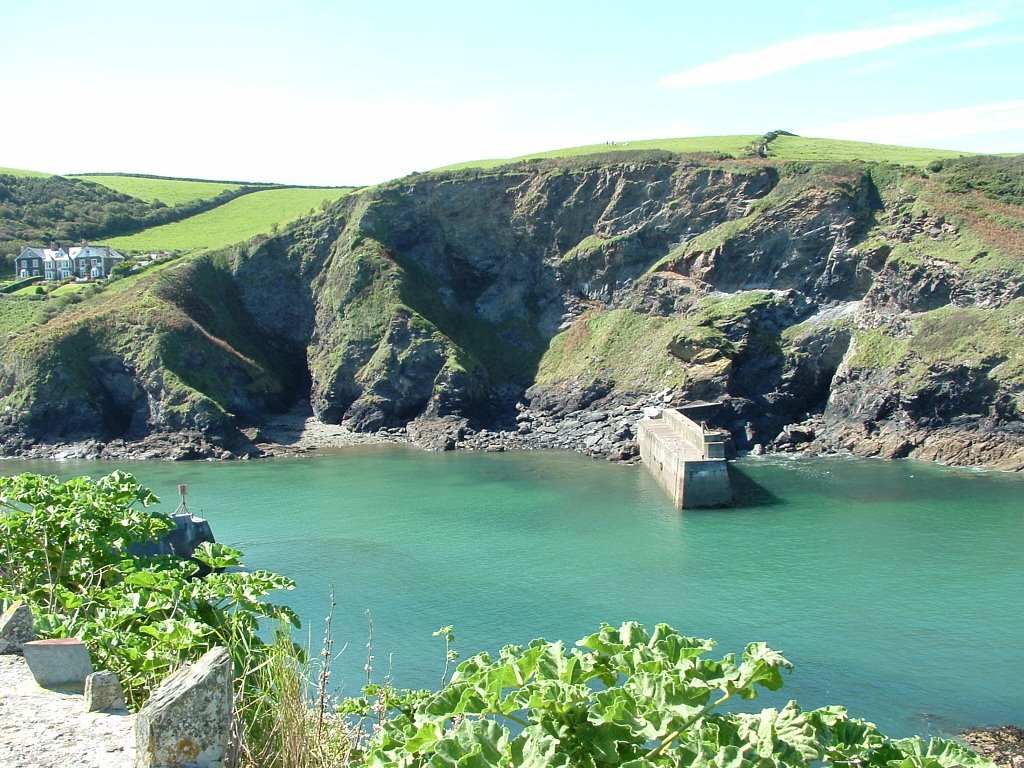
column 929, row 128
column 985, row 42
column 833, row 45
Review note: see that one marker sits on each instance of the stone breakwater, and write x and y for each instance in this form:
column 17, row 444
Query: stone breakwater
column 42, row 728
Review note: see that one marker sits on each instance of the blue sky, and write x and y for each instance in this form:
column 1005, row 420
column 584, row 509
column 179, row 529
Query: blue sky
column 319, row 92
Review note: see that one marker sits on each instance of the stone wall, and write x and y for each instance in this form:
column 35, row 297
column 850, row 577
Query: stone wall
column 686, row 461
column 662, row 462
column 709, row 443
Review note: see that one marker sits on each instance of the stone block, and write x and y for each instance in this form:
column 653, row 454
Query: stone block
column 187, row 720
column 16, row 628
column 60, row 662
column 103, row 692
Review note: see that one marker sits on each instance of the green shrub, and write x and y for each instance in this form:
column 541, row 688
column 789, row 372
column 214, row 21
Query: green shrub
column 628, row 698
column 66, row 549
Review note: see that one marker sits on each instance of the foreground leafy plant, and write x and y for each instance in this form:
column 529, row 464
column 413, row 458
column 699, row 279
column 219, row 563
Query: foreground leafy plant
column 66, row 550
column 632, row 699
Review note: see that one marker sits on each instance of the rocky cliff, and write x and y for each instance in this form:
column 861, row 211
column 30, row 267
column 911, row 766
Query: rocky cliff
column 868, row 308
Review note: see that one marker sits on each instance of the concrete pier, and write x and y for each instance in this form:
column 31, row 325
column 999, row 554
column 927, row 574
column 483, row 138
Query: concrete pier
column 687, row 459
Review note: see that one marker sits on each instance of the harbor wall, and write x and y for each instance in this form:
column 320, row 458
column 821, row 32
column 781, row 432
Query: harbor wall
column 686, row 460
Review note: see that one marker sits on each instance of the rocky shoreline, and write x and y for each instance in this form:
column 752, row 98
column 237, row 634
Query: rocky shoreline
column 597, row 422
column 1002, row 744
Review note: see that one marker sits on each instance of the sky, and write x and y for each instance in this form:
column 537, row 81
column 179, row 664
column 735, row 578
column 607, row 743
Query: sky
column 337, row 92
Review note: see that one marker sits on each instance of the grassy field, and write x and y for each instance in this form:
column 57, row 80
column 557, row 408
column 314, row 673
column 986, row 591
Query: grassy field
column 167, row 191
column 61, row 290
column 804, row 148
column 726, row 145
column 232, row 222
column 20, row 172
column 783, row 147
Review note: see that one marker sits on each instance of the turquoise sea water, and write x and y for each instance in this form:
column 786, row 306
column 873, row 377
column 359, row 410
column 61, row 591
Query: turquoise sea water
column 894, row 587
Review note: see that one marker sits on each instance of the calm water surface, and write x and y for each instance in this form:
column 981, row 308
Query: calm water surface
column 895, row 588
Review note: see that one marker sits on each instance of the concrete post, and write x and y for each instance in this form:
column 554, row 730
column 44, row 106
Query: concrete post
column 62, row 661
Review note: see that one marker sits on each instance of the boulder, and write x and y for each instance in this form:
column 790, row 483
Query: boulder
column 16, row 628
column 187, row 720
column 103, row 692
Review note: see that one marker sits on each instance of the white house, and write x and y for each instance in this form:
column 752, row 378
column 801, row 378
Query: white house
column 84, row 261
column 40, row 262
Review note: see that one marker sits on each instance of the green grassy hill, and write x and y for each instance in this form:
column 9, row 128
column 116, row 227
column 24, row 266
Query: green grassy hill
column 725, row 145
column 22, row 173
column 161, row 213
column 780, row 145
column 835, row 150
column 232, row 222
column 167, row 191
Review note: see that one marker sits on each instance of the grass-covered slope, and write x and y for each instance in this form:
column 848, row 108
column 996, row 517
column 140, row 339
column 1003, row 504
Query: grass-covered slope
column 777, row 144
column 17, row 313
column 787, row 147
column 232, row 222
column 143, row 213
column 736, row 146
column 168, row 191
column 171, row 350
column 23, row 173
column 38, row 209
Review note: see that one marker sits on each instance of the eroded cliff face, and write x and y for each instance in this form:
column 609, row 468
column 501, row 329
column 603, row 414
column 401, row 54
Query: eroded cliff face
column 827, row 306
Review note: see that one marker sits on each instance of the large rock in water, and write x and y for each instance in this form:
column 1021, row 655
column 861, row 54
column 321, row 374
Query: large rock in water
column 187, row 720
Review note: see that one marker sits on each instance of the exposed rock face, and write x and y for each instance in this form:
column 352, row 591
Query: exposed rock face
column 867, row 307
